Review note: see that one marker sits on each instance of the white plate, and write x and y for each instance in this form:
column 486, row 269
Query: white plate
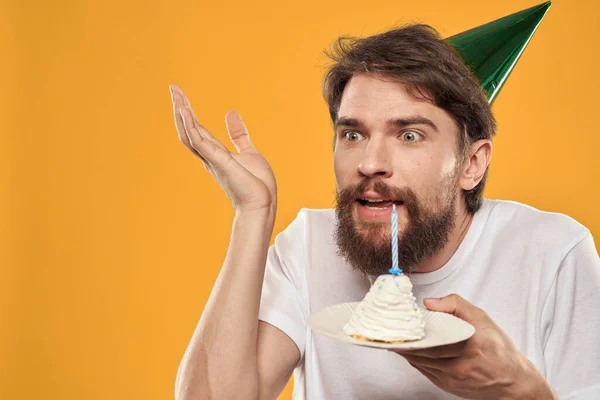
column 440, row 328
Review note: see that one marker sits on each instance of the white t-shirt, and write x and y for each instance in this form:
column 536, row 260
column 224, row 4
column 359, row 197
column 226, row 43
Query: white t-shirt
column 536, row 274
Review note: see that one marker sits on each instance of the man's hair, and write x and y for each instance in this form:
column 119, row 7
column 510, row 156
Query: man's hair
column 430, row 69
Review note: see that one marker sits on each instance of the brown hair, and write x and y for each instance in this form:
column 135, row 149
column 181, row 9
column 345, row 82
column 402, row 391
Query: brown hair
column 430, row 69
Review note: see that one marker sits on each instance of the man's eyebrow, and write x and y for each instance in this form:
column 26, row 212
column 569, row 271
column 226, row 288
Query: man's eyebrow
column 350, row 122
column 399, row 122
column 416, row 120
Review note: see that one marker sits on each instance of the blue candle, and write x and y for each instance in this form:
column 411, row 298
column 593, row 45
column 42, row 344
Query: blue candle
column 395, row 270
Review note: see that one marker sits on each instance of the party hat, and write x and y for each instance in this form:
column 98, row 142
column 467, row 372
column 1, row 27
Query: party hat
column 492, row 50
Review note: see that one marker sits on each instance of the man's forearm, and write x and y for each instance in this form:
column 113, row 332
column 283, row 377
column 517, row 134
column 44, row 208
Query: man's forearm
column 222, row 354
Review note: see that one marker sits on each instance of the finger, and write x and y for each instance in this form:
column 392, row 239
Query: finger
column 183, row 103
column 175, row 89
column 238, row 132
column 428, row 373
column 440, row 364
column 456, row 305
column 448, row 351
column 198, row 138
column 186, row 102
column 177, row 105
column 203, row 131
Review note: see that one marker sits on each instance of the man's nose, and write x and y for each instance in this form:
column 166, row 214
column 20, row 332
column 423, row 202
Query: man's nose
column 376, row 160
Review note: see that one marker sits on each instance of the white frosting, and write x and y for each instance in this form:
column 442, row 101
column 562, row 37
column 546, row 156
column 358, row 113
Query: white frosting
column 388, row 312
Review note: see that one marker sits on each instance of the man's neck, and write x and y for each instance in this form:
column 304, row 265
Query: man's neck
column 439, row 259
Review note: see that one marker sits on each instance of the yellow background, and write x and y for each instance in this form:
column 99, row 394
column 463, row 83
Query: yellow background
column 112, row 233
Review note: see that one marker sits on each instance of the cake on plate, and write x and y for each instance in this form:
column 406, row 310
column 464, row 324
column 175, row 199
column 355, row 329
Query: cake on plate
column 388, row 313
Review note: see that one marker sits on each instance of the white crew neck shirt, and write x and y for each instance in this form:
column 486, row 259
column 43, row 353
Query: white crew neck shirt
column 536, row 274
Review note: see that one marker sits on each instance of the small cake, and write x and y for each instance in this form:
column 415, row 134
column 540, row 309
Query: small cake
column 388, row 313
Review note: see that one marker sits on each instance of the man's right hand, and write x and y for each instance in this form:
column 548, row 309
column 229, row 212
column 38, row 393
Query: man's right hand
column 245, row 176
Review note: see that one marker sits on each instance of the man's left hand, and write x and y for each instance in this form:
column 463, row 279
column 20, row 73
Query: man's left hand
column 487, row 365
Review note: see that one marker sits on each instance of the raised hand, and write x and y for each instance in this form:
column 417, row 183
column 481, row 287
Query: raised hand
column 488, row 365
column 245, row 176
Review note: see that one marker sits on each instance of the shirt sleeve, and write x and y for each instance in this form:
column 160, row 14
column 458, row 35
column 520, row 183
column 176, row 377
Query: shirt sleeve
column 284, row 300
column 571, row 325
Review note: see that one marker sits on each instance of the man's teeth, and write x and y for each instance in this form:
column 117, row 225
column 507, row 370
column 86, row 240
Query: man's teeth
column 375, row 200
column 367, row 203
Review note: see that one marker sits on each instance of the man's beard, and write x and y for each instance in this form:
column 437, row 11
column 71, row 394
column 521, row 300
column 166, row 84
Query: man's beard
column 370, row 251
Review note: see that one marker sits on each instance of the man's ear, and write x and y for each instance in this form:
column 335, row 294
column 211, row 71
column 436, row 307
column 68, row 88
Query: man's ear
column 477, row 158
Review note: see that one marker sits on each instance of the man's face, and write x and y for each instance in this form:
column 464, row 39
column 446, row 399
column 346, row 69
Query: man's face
column 391, row 146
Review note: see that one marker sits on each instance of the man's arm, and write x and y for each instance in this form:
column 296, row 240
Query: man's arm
column 487, row 365
column 231, row 355
column 570, row 324
column 277, row 358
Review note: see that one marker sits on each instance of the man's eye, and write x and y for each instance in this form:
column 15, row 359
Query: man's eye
column 353, row 136
column 411, row 136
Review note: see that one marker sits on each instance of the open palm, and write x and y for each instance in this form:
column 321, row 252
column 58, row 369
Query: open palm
column 245, row 176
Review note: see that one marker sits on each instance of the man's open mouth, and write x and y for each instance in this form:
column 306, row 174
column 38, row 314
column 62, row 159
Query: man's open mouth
column 379, row 204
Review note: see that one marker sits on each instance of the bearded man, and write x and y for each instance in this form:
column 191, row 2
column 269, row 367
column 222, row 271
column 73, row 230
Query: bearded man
column 412, row 127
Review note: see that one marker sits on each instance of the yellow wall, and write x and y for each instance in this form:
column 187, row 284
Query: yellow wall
column 112, row 232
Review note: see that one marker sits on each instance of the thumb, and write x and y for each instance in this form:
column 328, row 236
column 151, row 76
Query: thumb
column 457, row 306
column 238, row 132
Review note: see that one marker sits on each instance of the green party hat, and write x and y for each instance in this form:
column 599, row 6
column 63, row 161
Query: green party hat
column 492, row 50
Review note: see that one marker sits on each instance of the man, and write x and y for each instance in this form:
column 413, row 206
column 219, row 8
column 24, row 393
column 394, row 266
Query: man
column 412, row 127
